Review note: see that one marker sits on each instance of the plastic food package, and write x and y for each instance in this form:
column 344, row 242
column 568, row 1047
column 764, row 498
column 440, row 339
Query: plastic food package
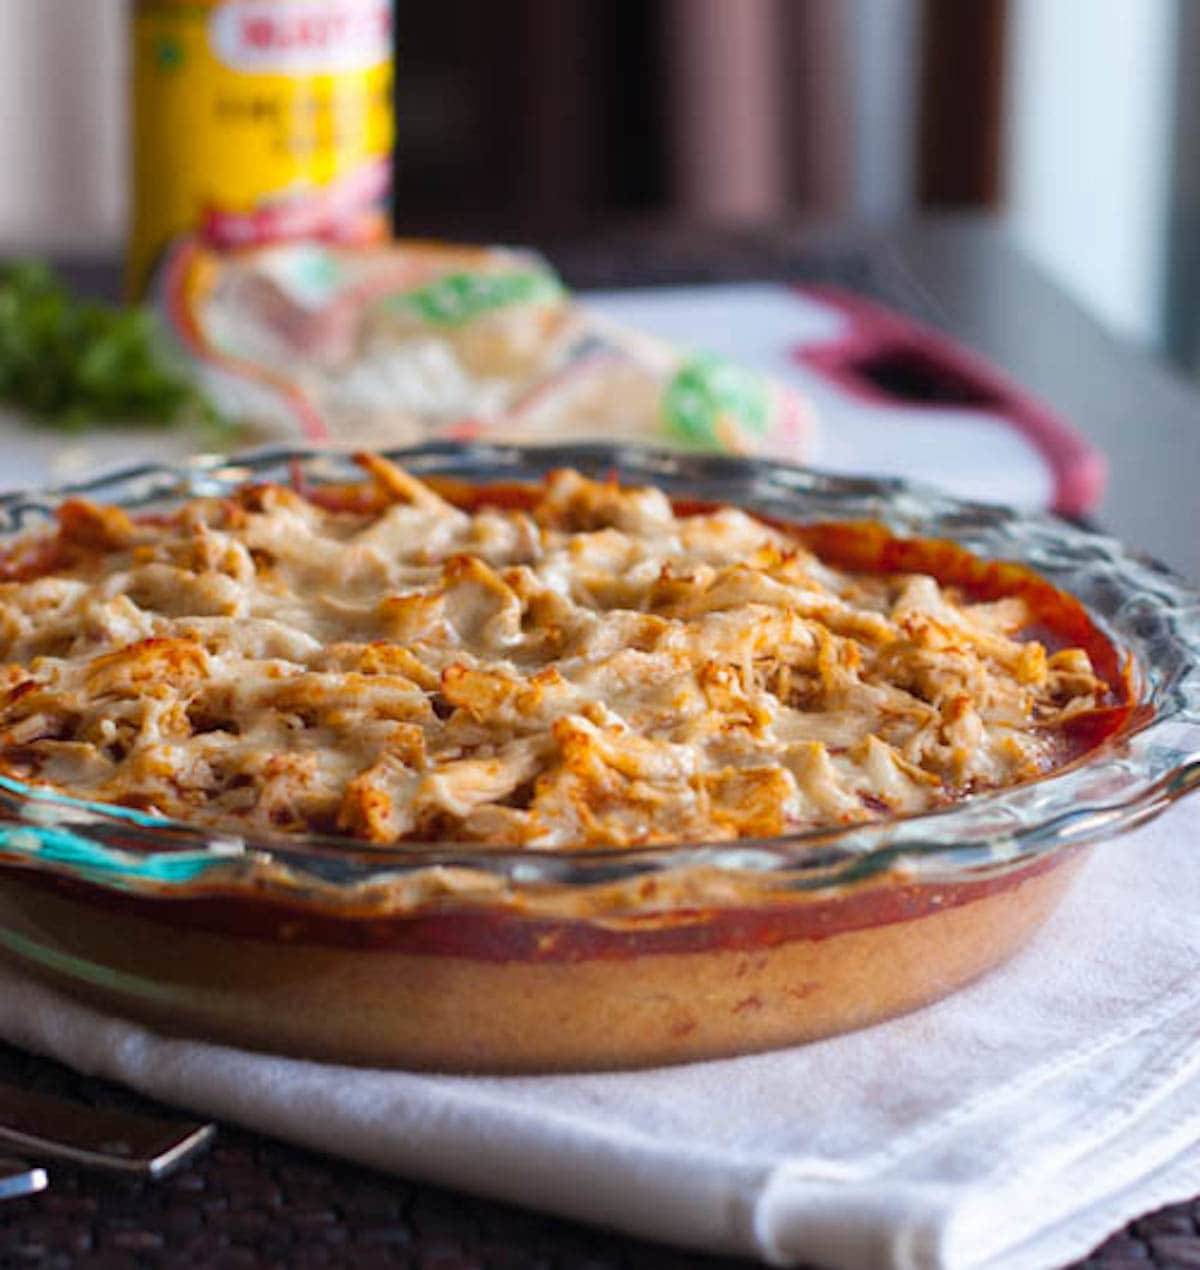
column 409, row 341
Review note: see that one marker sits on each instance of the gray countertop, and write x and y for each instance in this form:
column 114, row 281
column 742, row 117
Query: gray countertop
column 1130, row 404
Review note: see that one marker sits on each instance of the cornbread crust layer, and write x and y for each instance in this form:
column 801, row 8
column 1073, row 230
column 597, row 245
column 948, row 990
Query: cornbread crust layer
column 376, row 1006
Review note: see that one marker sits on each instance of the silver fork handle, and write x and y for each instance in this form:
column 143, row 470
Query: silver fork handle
column 44, row 1127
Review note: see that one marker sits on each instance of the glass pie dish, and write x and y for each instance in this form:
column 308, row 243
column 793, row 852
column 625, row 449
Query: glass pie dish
column 454, row 956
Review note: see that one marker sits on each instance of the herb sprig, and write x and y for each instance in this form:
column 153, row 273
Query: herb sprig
column 71, row 363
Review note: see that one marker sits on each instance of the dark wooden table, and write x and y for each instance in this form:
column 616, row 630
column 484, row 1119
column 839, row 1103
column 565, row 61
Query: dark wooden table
column 253, row 1202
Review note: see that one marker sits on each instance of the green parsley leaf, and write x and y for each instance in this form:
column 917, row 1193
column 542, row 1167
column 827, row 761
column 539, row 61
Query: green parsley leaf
column 71, row 363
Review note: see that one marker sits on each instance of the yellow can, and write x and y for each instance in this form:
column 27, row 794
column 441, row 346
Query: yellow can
column 259, row 121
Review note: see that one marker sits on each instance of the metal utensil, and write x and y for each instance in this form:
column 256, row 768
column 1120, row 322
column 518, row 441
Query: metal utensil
column 18, row 1178
column 46, row 1127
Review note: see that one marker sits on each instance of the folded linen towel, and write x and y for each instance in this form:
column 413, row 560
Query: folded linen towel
column 1013, row 1125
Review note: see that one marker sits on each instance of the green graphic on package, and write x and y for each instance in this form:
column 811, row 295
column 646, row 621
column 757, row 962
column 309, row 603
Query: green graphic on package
column 711, row 402
column 458, row 298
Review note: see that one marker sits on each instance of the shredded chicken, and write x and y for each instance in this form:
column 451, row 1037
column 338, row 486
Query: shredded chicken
column 596, row 670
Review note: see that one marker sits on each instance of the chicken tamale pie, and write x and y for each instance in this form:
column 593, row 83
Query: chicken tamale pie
column 572, row 668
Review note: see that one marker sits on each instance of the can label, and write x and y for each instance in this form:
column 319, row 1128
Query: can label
column 259, row 121
column 304, row 37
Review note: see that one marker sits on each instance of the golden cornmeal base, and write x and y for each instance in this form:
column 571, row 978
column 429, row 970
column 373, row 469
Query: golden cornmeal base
column 391, row 1009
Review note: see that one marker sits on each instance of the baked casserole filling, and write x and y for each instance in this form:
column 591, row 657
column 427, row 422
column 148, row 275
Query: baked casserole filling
column 584, row 665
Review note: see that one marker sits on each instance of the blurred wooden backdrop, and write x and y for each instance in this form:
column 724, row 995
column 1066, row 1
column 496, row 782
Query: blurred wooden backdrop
column 546, row 115
column 1078, row 120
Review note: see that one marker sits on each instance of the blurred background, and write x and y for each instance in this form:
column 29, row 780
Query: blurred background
column 1076, row 121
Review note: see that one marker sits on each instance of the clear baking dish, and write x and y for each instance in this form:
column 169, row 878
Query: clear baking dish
column 459, row 958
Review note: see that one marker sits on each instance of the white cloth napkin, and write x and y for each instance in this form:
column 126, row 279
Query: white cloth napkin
column 1014, row 1125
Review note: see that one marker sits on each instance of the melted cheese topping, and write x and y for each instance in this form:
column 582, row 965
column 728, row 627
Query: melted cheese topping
column 596, row 670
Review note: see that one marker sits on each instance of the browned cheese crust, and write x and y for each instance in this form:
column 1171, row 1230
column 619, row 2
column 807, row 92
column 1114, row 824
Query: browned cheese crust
column 594, row 669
